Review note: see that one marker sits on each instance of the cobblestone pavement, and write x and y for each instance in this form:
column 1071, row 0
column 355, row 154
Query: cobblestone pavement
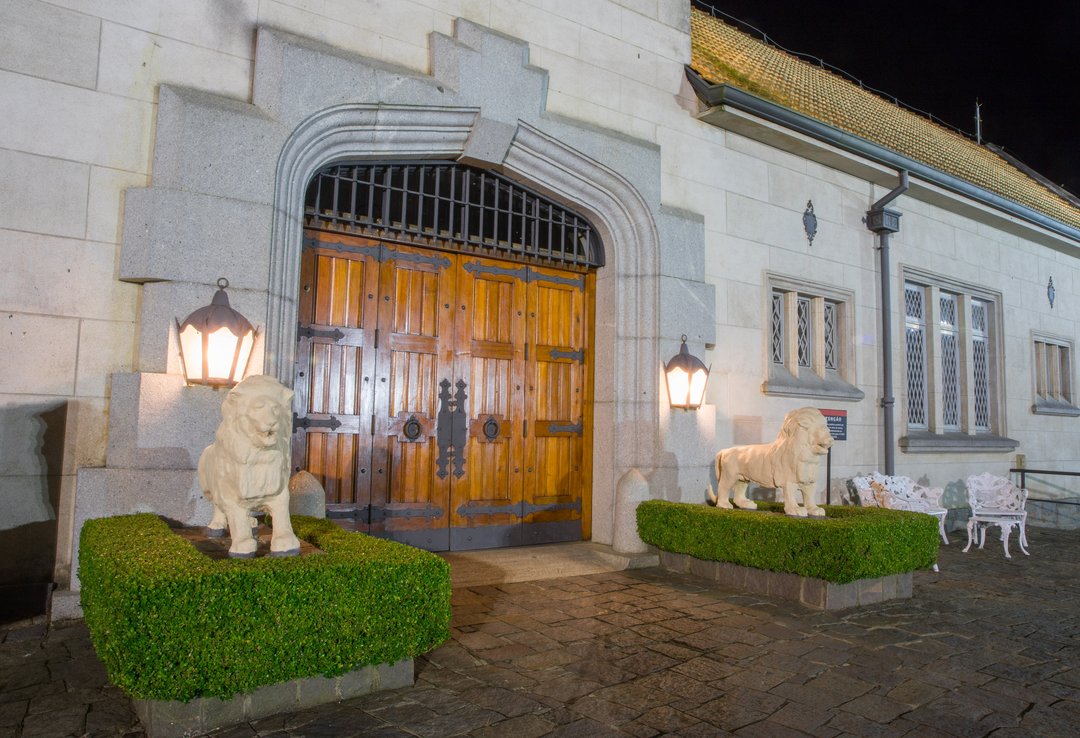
column 986, row 647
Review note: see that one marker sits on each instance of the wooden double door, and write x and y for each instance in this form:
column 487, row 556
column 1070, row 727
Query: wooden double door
column 443, row 399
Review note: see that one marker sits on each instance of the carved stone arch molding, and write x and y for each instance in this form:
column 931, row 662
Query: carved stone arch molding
column 614, row 206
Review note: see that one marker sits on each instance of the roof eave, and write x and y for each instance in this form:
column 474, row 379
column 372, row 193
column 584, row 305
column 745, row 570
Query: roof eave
column 727, row 96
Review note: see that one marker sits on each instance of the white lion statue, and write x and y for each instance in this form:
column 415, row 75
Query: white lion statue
column 246, row 468
column 790, row 463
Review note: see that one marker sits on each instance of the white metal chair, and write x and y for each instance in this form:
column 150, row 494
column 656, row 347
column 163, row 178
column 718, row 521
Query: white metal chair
column 996, row 501
column 901, row 493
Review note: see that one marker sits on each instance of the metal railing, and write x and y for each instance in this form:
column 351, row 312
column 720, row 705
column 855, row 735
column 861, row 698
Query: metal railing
column 1023, row 472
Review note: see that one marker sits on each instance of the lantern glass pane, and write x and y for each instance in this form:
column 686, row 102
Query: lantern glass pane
column 678, row 386
column 191, row 353
column 247, row 341
column 220, row 354
column 697, row 387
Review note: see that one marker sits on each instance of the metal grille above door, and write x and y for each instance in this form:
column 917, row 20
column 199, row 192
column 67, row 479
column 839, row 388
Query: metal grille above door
column 451, row 206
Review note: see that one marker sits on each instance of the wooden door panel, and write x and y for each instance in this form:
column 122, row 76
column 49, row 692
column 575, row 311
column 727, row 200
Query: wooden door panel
column 410, row 497
column 337, row 319
column 554, row 399
column 333, row 458
column 490, row 349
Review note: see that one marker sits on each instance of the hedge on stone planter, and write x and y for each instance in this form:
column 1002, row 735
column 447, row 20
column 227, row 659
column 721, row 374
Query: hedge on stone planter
column 171, row 624
column 850, row 543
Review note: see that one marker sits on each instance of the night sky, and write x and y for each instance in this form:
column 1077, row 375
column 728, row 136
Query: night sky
column 1021, row 63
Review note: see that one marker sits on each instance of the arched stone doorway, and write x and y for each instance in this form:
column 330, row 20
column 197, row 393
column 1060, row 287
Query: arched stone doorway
column 626, row 292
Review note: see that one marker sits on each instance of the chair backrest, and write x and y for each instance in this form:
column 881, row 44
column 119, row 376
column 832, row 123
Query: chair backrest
column 895, row 485
column 896, row 492
column 988, row 491
column 881, row 490
column 867, row 498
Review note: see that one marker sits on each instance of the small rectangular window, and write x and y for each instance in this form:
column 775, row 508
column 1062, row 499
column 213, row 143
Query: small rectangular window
column 1053, row 376
column 808, row 341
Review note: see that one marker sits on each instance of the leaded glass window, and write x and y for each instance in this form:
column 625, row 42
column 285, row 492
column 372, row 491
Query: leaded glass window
column 951, row 360
column 777, row 342
column 832, row 348
column 805, row 328
column 915, row 333
column 981, row 363
column 808, row 339
column 950, row 363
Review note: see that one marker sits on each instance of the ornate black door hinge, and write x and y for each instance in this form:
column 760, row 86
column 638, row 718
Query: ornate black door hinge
column 380, row 513
column 530, row 508
column 574, row 428
column 451, row 429
column 332, row 422
column 468, row 511
column 306, row 331
column 578, row 355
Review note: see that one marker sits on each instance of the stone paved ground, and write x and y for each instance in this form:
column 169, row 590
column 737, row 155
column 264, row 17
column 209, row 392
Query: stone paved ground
column 986, row 647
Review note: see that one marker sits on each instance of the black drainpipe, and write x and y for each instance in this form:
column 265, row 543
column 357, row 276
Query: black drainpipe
column 883, row 221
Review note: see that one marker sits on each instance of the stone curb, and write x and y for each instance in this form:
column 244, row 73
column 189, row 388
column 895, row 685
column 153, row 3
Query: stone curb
column 816, row 593
column 174, row 719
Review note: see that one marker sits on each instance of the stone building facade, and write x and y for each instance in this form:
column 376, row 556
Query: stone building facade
column 147, row 150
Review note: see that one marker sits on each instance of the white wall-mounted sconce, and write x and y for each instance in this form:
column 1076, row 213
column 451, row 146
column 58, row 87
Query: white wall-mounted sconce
column 216, row 342
column 687, row 376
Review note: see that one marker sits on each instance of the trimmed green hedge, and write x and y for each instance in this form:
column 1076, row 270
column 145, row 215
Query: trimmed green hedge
column 849, row 543
column 171, row 624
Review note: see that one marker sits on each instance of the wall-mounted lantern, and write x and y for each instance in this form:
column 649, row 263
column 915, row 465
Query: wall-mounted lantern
column 686, row 379
column 216, row 342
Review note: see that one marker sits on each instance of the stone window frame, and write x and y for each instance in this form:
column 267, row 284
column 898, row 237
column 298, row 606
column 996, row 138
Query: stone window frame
column 972, row 433
column 815, row 376
column 1053, row 375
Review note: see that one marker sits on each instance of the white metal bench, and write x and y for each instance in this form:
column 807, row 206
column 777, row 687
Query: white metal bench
column 901, row 493
column 996, row 501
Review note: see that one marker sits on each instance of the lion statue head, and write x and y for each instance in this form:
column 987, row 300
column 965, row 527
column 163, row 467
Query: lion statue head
column 256, row 417
column 806, row 427
column 806, row 436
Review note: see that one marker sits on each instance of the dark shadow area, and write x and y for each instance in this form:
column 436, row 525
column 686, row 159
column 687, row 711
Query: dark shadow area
column 34, row 442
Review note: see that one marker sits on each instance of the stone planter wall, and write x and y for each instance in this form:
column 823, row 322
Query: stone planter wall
column 163, row 719
column 816, row 593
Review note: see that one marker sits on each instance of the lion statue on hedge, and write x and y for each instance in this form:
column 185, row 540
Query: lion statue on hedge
column 246, row 468
column 790, row 463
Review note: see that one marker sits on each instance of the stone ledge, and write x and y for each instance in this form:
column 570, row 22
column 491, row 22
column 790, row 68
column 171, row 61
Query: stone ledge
column 816, row 593
column 174, row 719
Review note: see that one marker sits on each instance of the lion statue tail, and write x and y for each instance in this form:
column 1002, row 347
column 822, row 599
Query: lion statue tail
column 714, row 500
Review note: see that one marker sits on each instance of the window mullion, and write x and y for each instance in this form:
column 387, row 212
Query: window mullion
column 1066, row 375
column 935, row 371
column 967, row 364
column 791, row 332
column 1053, row 374
column 817, row 335
column 1040, row 370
